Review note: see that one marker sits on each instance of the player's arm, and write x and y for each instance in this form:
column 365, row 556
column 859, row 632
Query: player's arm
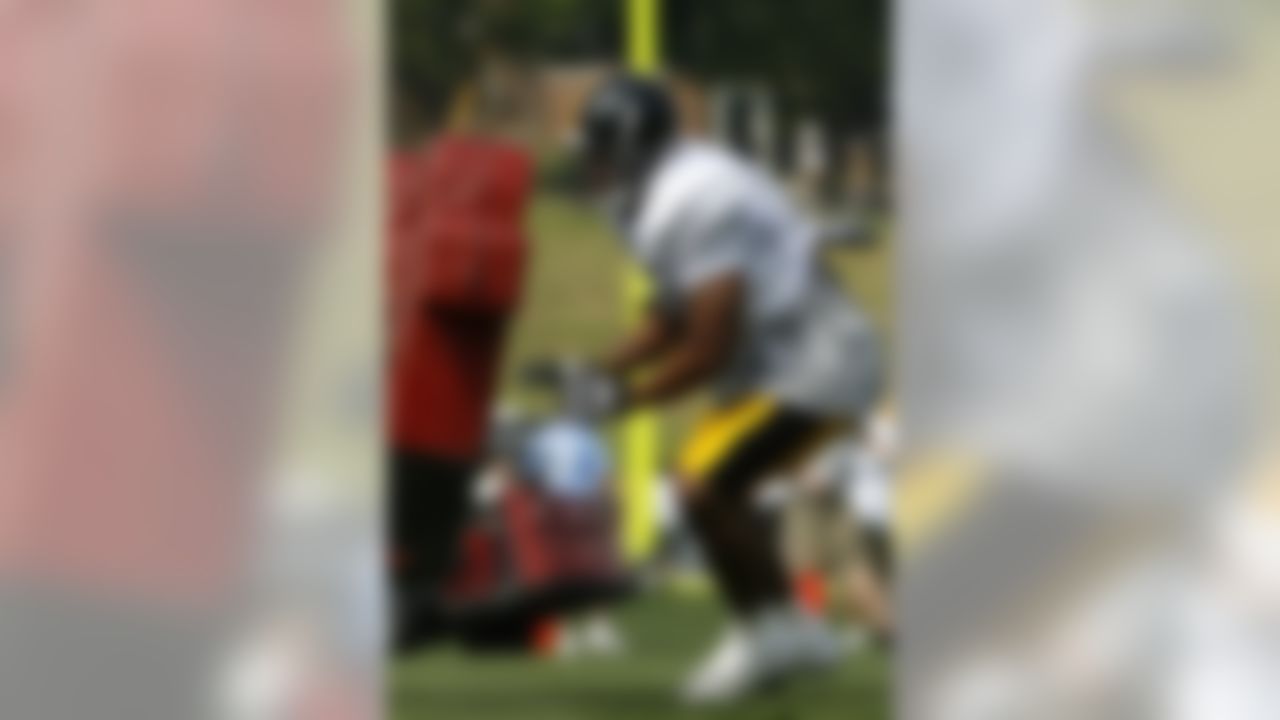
column 656, row 335
column 704, row 345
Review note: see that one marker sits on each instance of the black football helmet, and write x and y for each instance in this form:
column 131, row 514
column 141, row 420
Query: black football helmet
column 626, row 123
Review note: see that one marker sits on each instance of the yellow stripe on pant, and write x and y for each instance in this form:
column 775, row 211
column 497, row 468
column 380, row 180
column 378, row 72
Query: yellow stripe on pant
column 721, row 432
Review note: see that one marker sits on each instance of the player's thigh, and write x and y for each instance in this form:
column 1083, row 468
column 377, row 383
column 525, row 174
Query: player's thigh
column 737, row 445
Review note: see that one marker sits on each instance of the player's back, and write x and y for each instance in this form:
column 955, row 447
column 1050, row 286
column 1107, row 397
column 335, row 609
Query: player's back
column 706, row 212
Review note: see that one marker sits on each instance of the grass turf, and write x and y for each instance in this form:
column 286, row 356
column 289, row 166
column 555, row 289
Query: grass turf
column 666, row 633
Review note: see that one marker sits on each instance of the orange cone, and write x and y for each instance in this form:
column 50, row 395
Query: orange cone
column 810, row 589
column 545, row 637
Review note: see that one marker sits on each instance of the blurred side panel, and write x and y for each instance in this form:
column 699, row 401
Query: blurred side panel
column 188, row 359
column 1090, row 518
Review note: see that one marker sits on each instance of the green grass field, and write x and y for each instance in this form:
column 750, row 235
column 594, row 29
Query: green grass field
column 667, row 634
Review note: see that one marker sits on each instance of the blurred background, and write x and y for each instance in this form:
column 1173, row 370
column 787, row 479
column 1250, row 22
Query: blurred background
column 1087, row 358
column 799, row 88
column 189, row 360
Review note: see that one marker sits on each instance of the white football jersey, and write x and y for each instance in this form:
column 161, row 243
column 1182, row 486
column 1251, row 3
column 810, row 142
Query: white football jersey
column 704, row 213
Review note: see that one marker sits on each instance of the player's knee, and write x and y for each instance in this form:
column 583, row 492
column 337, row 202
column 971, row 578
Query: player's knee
column 704, row 494
column 689, row 489
column 698, row 497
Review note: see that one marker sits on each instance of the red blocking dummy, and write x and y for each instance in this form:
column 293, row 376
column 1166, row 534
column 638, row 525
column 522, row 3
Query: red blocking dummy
column 455, row 271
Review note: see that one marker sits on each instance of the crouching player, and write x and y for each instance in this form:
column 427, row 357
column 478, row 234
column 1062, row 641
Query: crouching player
column 742, row 306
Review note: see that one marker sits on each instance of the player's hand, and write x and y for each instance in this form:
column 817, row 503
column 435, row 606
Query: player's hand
column 587, row 391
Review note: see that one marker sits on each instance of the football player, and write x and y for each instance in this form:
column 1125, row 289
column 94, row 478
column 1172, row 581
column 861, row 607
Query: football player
column 742, row 306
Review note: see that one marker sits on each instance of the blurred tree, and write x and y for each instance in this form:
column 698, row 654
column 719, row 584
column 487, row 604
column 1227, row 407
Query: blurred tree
column 437, row 45
column 429, row 57
column 826, row 58
column 822, row 57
